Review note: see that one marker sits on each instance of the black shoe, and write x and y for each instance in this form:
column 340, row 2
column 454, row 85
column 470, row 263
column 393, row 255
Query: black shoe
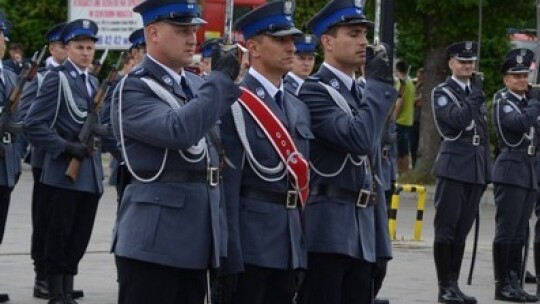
column 57, row 299
column 509, row 293
column 41, row 289
column 529, row 278
column 68, row 299
column 381, row 301
column 4, row 297
column 449, row 295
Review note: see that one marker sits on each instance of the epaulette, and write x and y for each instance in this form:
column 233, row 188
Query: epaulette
column 138, row 72
column 313, row 78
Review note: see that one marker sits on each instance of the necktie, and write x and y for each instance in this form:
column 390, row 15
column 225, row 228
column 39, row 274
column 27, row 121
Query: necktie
column 86, row 86
column 279, row 100
column 354, row 91
column 467, row 90
column 186, row 88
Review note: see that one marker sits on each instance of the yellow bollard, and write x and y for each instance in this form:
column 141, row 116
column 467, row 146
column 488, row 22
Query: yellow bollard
column 392, row 213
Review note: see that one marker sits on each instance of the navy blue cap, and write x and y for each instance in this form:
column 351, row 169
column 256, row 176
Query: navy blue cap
column 136, row 38
column 273, row 19
column 181, row 12
column 208, row 45
column 517, row 61
column 464, row 50
column 5, row 25
column 55, row 33
column 80, row 28
column 307, row 44
column 338, row 12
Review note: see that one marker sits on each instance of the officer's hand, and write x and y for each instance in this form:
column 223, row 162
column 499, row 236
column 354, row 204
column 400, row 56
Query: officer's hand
column 534, row 93
column 377, row 65
column 476, row 98
column 226, row 61
column 77, row 150
column 477, row 81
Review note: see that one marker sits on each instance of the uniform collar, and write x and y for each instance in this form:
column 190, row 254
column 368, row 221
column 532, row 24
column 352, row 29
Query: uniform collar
column 176, row 76
column 346, row 79
column 268, row 86
column 461, row 84
column 295, row 77
column 79, row 71
column 517, row 96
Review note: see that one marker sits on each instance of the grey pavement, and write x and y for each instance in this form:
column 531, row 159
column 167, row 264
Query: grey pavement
column 411, row 274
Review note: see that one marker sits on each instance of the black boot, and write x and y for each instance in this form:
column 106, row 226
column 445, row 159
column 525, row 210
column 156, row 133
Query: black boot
column 56, row 289
column 381, row 301
column 68, row 289
column 457, row 258
column 41, row 289
column 516, row 274
column 504, row 290
column 537, row 267
column 4, row 297
column 447, row 289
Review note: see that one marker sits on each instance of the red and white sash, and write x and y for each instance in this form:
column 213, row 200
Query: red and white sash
column 281, row 140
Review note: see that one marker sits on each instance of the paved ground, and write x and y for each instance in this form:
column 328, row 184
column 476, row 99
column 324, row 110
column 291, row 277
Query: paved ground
column 411, row 277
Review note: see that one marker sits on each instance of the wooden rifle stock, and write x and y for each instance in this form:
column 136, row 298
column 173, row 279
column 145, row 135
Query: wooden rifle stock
column 88, row 130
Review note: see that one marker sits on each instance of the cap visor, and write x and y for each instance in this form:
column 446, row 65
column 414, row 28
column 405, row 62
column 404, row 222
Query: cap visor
column 358, row 21
column 186, row 21
column 465, row 58
column 289, row 32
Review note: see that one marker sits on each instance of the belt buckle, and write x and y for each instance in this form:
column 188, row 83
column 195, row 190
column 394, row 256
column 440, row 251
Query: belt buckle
column 292, row 199
column 96, row 142
column 385, row 152
column 6, row 138
column 531, row 150
column 213, row 176
column 476, row 140
column 363, row 198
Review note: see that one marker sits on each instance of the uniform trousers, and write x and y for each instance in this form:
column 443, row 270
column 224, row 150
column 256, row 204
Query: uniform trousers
column 514, row 209
column 144, row 283
column 337, row 279
column 70, row 222
column 456, row 205
column 40, row 208
column 5, row 197
column 537, row 212
column 261, row 285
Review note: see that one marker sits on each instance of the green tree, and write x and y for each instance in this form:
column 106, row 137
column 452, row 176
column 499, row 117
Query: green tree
column 31, row 19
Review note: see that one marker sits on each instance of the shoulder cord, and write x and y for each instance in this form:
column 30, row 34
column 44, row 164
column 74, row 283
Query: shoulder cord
column 454, row 100
column 77, row 115
column 528, row 136
column 343, row 105
column 258, row 168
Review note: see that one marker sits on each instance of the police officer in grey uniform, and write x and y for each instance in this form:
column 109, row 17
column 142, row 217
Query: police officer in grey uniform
column 346, row 223
column 53, row 124
column 40, row 200
column 167, row 231
column 514, row 176
column 303, row 62
column 9, row 158
column 206, row 49
column 461, row 167
column 266, row 243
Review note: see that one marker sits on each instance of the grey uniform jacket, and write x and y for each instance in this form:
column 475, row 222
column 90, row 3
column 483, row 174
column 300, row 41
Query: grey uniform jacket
column 460, row 159
column 52, row 122
column 335, row 225
column 514, row 165
column 290, row 85
column 10, row 165
column 263, row 233
column 169, row 221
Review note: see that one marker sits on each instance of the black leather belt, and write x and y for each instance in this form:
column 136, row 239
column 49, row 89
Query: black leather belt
column 288, row 199
column 210, row 176
column 475, row 140
column 530, row 150
column 362, row 198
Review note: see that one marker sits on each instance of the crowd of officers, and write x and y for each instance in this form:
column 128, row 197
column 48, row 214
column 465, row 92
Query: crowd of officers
column 275, row 179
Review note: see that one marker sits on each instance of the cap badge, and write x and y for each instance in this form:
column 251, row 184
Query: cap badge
column 468, row 45
column 288, row 7
column 308, row 39
column 86, row 24
column 358, row 3
column 519, row 59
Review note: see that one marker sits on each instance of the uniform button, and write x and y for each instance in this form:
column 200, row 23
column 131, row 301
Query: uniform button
column 387, row 94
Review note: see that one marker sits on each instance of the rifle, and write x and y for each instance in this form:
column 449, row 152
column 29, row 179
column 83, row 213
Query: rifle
column 99, row 63
column 14, row 97
column 91, row 127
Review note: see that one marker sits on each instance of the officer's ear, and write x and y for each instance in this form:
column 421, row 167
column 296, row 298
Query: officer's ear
column 253, row 45
column 151, row 31
column 327, row 42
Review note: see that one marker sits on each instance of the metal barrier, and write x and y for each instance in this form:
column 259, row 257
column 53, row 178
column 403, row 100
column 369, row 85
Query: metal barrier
column 392, row 213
